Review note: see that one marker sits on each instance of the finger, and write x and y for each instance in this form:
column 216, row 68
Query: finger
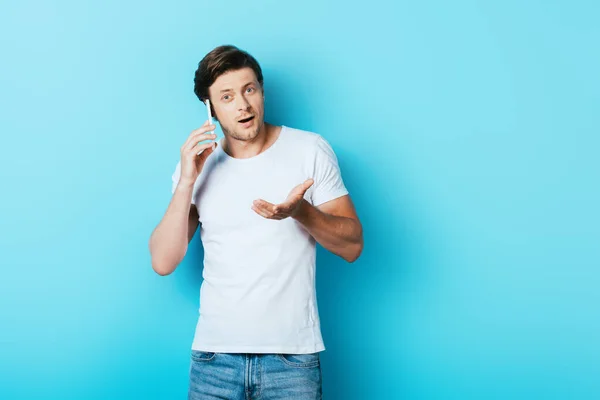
column 261, row 212
column 200, row 134
column 199, row 139
column 303, row 187
column 199, row 148
column 308, row 183
column 268, row 212
column 275, row 210
column 266, row 205
column 207, row 122
column 204, row 154
column 206, row 127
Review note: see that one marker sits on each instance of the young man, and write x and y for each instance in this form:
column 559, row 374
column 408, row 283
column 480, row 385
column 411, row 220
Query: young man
column 263, row 197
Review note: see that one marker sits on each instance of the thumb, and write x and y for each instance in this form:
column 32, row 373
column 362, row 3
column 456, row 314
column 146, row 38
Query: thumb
column 207, row 152
column 308, row 183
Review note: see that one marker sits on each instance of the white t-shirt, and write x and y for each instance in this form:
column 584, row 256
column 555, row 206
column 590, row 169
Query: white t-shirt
column 258, row 293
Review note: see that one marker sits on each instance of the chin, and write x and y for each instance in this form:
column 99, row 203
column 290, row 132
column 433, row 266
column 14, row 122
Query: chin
column 246, row 134
column 243, row 134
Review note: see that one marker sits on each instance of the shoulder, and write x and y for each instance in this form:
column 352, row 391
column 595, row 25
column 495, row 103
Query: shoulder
column 298, row 134
column 303, row 139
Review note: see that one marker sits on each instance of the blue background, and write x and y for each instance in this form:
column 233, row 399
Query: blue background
column 467, row 134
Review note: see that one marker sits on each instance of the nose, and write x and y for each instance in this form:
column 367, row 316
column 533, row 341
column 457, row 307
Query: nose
column 242, row 103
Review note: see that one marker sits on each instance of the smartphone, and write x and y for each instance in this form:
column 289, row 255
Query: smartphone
column 209, row 114
column 209, row 119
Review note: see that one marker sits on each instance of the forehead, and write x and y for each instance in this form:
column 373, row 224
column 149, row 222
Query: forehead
column 234, row 79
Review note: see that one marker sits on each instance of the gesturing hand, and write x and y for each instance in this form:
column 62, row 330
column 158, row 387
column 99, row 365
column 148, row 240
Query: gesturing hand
column 287, row 209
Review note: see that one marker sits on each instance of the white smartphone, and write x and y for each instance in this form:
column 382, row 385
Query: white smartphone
column 209, row 113
column 209, row 118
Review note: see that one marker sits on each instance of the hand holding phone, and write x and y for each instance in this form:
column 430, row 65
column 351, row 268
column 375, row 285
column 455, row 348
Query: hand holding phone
column 194, row 153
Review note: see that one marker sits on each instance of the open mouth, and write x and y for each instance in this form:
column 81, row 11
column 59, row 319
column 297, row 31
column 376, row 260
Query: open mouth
column 243, row 121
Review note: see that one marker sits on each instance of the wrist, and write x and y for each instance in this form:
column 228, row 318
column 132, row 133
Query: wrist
column 303, row 211
column 186, row 183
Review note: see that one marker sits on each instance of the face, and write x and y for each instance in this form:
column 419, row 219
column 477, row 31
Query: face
column 238, row 103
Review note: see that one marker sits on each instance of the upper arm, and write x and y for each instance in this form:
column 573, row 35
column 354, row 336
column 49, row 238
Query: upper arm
column 340, row 207
column 328, row 184
column 343, row 207
column 193, row 222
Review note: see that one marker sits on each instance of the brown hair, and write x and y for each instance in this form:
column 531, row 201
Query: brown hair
column 220, row 60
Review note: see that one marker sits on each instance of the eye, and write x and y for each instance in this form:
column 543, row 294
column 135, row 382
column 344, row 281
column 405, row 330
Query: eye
column 226, row 97
column 250, row 90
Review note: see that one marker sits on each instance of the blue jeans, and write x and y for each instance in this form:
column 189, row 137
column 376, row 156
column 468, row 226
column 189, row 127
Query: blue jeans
column 254, row 376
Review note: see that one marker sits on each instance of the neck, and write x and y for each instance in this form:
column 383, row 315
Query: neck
column 250, row 148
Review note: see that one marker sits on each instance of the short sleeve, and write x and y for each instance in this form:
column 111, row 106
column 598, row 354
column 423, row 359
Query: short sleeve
column 328, row 183
column 175, row 177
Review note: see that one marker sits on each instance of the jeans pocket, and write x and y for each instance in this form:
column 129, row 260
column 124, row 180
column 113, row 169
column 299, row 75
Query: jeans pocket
column 202, row 356
column 309, row 360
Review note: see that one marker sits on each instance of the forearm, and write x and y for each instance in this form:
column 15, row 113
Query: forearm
column 340, row 235
column 169, row 241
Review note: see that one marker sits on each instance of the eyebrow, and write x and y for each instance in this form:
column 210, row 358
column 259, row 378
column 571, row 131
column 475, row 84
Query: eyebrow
column 229, row 89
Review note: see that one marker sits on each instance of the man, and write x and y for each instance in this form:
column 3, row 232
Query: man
column 263, row 197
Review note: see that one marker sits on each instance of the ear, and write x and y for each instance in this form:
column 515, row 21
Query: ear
column 214, row 114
